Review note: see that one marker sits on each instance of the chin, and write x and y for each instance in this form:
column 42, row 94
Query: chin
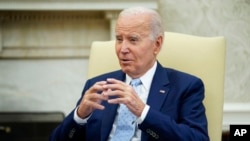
column 126, row 70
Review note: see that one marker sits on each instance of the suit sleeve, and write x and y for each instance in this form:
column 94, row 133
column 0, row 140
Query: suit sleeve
column 190, row 122
column 69, row 130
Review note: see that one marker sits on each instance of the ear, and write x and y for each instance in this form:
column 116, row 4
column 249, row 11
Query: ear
column 158, row 44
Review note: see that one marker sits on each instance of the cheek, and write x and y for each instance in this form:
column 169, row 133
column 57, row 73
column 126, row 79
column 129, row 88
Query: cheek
column 146, row 53
column 146, row 57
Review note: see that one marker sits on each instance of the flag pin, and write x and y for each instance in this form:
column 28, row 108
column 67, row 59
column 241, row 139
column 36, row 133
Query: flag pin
column 162, row 91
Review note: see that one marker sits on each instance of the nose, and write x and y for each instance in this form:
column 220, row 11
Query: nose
column 124, row 47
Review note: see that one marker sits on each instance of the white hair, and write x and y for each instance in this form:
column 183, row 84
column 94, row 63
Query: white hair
column 155, row 19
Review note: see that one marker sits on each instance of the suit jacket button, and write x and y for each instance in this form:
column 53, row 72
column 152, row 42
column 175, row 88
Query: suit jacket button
column 157, row 136
column 154, row 134
column 71, row 133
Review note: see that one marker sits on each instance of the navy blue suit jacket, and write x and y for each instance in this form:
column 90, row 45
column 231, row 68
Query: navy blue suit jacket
column 176, row 111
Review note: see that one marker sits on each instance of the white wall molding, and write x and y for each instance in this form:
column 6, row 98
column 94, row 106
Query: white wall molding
column 74, row 4
column 12, row 16
column 47, row 52
column 236, row 113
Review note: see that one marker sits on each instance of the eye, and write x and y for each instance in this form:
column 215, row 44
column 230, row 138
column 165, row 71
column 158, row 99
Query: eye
column 133, row 39
column 119, row 39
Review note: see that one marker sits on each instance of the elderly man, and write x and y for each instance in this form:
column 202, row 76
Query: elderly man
column 143, row 101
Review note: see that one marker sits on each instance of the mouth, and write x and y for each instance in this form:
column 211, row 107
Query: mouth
column 125, row 61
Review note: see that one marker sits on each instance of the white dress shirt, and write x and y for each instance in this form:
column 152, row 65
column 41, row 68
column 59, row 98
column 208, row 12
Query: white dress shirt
column 143, row 91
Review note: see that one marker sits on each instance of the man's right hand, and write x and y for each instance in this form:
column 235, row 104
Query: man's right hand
column 91, row 100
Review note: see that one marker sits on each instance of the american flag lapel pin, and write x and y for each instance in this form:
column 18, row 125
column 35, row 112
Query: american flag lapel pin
column 162, row 91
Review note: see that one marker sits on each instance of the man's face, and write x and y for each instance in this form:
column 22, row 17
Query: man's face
column 135, row 50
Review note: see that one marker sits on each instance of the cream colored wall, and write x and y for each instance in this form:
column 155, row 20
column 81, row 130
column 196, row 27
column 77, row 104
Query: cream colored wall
column 41, row 84
column 43, row 58
column 229, row 18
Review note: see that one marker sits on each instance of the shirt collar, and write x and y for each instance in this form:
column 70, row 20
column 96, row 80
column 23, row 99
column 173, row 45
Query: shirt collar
column 147, row 78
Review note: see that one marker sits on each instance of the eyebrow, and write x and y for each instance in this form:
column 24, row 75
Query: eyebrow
column 131, row 35
column 134, row 36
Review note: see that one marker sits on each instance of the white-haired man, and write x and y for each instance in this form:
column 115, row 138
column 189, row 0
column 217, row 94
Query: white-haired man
column 164, row 105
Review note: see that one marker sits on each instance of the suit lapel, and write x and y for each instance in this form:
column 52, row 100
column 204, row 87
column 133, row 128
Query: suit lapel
column 159, row 88
column 158, row 92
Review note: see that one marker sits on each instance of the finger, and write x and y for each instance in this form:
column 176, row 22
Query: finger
column 97, row 86
column 114, row 84
column 117, row 93
column 115, row 87
column 95, row 105
column 100, row 83
column 115, row 81
column 95, row 97
column 99, row 97
column 117, row 101
column 123, row 97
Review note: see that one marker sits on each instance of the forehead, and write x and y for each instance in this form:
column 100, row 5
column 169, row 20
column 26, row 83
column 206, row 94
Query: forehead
column 133, row 24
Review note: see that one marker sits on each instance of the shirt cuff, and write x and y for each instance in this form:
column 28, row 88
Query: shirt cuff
column 79, row 120
column 143, row 114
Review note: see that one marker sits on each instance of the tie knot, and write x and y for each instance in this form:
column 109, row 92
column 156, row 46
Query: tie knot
column 135, row 82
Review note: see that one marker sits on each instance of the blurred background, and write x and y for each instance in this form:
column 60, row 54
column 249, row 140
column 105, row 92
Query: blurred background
column 44, row 48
